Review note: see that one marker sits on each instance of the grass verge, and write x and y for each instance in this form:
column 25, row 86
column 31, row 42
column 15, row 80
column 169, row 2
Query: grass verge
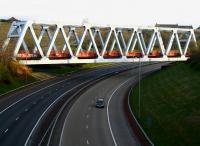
column 15, row 83
column 170, row 111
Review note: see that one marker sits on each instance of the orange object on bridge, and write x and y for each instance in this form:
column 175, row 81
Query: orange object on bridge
column 59, row 54
column 134, row 54
column 154, row 54
column 22, row 54
column 173, row 53
column 112, row 54
column 84, row 54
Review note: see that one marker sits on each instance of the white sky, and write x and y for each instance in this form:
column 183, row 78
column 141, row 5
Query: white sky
column 117, row 12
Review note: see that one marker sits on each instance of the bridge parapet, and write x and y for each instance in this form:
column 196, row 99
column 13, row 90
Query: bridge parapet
column 92, row 44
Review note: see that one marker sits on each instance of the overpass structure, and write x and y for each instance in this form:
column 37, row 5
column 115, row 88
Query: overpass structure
column 65, row 44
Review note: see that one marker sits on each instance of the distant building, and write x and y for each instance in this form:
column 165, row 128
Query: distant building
column 175, row 26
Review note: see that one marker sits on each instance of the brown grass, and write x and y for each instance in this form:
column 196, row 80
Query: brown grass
column 10, row 68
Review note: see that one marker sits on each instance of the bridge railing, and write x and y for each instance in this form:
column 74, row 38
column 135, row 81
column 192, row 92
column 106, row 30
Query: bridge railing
column 88, row 44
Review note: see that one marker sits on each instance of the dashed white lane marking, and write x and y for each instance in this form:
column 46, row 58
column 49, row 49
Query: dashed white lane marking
column 17, row 118
column 87, row 142
column 34, row 102
column 50, row 106
column 87, row 116
column 86, row 126
column 56, row 89
column 26, row 110
column 31, row 94
column 62, row 132
column 6, row 131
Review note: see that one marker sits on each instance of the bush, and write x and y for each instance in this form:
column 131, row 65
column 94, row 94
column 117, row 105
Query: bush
column 5, row 75
column 10, row 68
column 18, row 69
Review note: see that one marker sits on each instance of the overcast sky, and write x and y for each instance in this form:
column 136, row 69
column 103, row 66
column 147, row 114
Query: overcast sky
column 118, row 12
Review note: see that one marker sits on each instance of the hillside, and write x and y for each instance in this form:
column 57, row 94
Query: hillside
column 170, row 112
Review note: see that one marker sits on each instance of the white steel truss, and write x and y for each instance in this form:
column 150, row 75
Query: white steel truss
column 113, row 34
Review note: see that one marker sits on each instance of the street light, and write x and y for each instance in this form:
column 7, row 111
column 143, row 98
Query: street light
column 139, row 94
column 26, row 64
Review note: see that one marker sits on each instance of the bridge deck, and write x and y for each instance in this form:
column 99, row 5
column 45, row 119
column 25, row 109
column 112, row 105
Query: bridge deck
column 100, row 60
column 93, row 44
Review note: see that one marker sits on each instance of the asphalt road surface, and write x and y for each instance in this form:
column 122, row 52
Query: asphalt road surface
column 20, row 112
column 87, row 125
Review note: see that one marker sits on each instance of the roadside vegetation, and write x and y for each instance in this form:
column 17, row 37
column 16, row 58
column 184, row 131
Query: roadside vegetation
column 12, row 74
column 170, row 99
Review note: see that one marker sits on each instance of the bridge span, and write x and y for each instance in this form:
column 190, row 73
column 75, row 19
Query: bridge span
column 58, row 43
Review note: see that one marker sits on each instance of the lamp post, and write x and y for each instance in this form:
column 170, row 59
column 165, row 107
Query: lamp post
column 139, row 94
column 26, row 64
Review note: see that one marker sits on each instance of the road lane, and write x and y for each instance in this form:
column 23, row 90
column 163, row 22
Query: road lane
column 7, row 101
column 17, row 121
column 87, row 125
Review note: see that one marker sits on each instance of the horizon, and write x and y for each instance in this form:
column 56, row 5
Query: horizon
column 122, row 12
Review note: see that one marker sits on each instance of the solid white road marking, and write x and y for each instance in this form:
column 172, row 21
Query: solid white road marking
column 32, row 94
column 61, row 137
column 6, row 131
column 37, row 92
column 27, row 140
column 108, row 110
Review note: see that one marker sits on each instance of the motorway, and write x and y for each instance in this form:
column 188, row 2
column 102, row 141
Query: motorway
column 22, row 112
column 87, row 125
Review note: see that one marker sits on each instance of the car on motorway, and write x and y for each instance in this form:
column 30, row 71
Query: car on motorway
column 100, row 103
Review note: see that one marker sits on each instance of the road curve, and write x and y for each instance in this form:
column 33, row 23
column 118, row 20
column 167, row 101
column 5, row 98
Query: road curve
column 20, row 111
column 86, row 125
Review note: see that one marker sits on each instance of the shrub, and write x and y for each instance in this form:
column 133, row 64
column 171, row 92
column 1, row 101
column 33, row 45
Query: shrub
column 5, row 76
column 18, row 69
column 10, row 68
